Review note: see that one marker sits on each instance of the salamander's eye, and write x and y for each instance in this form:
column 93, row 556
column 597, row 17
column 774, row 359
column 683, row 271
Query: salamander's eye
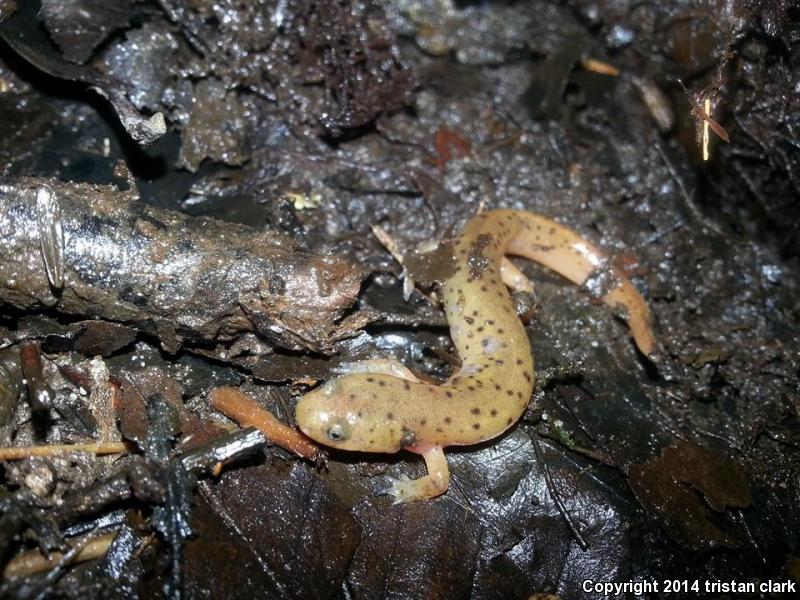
column 337, row 432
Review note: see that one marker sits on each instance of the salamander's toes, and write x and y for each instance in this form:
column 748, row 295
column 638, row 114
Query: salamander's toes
column 399, row 487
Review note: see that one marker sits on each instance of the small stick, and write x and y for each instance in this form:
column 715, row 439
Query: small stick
column 230, row 278
column 598, row 66
column 388, row 242
column 18, row 453
column 554, row 494
column 212, row 456
column 33, row 561
column 707, row 109
column 247, row 413
column 704, row 113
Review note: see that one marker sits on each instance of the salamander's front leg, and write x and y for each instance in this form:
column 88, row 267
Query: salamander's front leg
column 433, row 484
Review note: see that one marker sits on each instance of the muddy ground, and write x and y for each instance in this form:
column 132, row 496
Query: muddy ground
column 306, row 124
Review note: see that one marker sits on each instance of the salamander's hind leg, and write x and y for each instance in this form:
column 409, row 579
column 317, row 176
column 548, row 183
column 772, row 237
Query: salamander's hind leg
column 435, row 483
column 377, row 366
column 514, row 278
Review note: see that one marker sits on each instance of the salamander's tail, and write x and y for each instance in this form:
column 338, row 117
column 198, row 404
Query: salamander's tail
column 563, row 250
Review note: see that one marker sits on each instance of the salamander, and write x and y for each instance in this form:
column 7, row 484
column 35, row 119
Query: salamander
column 381, row 406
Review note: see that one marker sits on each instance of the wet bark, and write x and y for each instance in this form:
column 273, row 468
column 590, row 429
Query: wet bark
column 94, row 250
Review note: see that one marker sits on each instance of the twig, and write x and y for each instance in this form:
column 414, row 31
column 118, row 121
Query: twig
column 19, row 453
column 695, row 210
column 245, row 411
column 599, row 66
column 33, row 562
column 168, row 274
column 595, row 455
column 207, row 457
column 555, row 495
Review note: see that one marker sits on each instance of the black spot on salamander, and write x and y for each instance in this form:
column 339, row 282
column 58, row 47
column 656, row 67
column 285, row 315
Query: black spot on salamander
column 474, row 313
column 480, row 329
column 359, row 414
column 493, row 412
column 406, row 386
column 390, row 416
column 518, row 361
column 382, row 383
column 484, row 288
column 497, row 387
column 510, row 392
column 509, row 421
column 439, row 430
column 422, row 422
column 490, row 321
column 476, row 425
column 449, row 394
column 469, row 320
column 475, row 410
column 448, row 420
column 471, row 388
column 527, row 375
column 371, row 379
column 501, row 330
column 351, row 396
column 519, row 395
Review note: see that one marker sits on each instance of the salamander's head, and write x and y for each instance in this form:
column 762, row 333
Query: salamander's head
column 346, row 414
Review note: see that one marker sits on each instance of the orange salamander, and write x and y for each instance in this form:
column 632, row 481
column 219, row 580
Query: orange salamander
column 381, row 406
